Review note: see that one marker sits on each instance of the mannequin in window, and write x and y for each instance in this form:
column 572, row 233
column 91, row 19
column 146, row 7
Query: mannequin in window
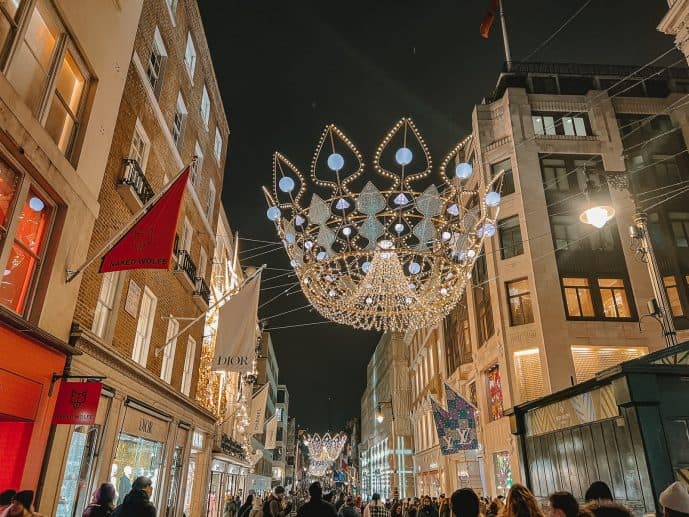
column 124, row 485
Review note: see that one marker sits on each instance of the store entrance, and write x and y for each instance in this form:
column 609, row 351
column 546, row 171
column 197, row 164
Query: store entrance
column 135, row 456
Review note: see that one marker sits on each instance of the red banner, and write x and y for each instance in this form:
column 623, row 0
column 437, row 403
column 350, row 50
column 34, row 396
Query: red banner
column 77, row 403
column 148, row 244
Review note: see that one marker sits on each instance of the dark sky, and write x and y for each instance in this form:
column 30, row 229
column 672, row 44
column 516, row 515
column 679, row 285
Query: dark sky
column 287, row 68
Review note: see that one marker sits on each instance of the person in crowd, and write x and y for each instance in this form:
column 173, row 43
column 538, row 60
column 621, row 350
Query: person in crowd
column 256, row 508
column 427, row 508
column 273, row 505
column 675, row 500
column 521, row 502
column 6, row 499
column 598, row 491
column 375, row 508
column 349, row 509
column 606, row 508
column 340, row 501
column 412, row 508
column 397, row 510
column 443, row 506
column 493, row 509
column 137, row 503
column 20, row 505
column 358, row 502
column 230, row 509
column 464, row 503
column 102, row 501
column 244, row 509
column 562, row 504
column 317, row 506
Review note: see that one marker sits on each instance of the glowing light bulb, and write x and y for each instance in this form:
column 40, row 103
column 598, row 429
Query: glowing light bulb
column 597, row 216
column 403, row 156
column 273, row 213
column 493, row 199
column 335, row 162
column 464, row 171
column 286, row 184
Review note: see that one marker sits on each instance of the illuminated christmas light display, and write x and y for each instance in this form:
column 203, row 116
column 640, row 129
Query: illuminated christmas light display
column 325, row 448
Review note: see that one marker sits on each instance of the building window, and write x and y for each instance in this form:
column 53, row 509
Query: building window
column 188, row 365
column 556, row 124
column 8, row 23
column 505, row 167
column 196, row 170
column 519, row 299
column 565, row 232
column 589, row 360
column 205, row 106
column 187, row 236
column 170, row 349
column 48, row 73
column 495, row 410
column 217, row 145
column 190, row 57
column 673, row 295
column 156, row 63
column 578, row 301
column 503, row 472
column 555, row 175
column 210, row 201
column 144, row 327
column 105, row 306
column 179, row 121
column 140, row 146
column 482, row 303
column 679, row 222
column 529, row 374
column 172, row 7
column 614, row 297
column 511, row 243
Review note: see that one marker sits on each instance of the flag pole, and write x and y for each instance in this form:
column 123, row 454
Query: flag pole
column 71, row 274
column 505, row 39
column 213, row 306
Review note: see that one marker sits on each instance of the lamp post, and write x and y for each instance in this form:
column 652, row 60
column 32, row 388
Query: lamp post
column 598, row 214
column 380, row 418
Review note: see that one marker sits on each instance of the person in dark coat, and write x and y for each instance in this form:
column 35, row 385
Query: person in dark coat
column 246, row 507
column 465, row 503
column 102, row 502
column 316, row 507
column 137, row 502
column 427, row 509
column 348, row 509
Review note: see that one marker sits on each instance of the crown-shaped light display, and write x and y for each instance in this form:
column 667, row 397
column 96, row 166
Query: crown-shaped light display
column 319, row 468
column 326, row 448
column 389, row 248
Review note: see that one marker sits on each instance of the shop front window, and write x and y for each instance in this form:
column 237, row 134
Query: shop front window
column 494, row 393
column 503, row 472
column 175, row 473
column 74, row 489
column 135, row 457
column 188, row 492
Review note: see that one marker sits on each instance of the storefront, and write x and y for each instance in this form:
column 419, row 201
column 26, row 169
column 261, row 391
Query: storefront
column 258, row 484
column 429, row 472
column 30, row 358
column 227, row 479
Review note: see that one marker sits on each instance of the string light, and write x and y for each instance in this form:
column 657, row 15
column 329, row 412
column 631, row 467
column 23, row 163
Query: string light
column 325, row 448
column 392, row 258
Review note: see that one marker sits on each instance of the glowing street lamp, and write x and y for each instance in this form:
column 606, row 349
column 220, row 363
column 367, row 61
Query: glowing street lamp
column 597, row 215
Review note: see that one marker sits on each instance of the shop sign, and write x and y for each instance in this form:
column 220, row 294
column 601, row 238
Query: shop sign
column 138, row 423
column 77, row 403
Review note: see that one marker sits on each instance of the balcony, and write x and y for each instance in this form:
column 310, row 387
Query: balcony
column 202, row 294
column 185, row 269
column 134, row 187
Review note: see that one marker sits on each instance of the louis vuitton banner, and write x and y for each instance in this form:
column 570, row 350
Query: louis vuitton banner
column 456, row 425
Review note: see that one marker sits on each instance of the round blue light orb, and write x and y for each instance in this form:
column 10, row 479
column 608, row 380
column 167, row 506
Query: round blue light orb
column 365, row 266
column 321, row 255
column 464, row 171
column 36, row 204
column 335, row 162
column 399, row 227
column 414, row 268
column 493, row 199
column 489, row 229
column 286, row 184
column 273, row 213
column 403, row 156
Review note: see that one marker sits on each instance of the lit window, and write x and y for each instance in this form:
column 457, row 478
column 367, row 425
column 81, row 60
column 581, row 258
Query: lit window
column 105, row 306
column 47, row 64
column 519, row 298
column 156, row 63
column 574, row 126
column 179, row 121
column 190, row 56
column 188, row 365
column 217, row 145
column 505, row 167
column 589, row 360
column 679, row 222
column 495, row 410
column 210, row 201
column 169, row 350
column 529, row 374
column 556, row 124
column 144, row 327
column 140, row 146
column 614, row 297
column 205, row 106
column 578, row 298
column 511, row 243
column 8, row 22
column 673, row 295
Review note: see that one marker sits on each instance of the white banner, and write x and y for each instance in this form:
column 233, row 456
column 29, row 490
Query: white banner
column 271, row 432
column 258, row 410
column 237, row 330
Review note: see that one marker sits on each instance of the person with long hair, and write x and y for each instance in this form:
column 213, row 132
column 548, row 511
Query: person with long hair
column 246, row 507
column 521, row 502
column 102, row 501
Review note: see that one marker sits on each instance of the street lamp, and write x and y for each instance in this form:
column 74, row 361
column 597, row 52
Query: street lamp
column 380, row 417
column 596, row 213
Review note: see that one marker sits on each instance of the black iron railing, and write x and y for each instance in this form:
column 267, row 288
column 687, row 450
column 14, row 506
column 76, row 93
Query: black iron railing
column 232, row 447
column 202, row 290
column 135, row 178
column 597, row 70
column 187, row 265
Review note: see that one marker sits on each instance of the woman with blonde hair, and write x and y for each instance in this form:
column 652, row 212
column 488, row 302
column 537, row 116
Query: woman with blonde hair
column 521, row 502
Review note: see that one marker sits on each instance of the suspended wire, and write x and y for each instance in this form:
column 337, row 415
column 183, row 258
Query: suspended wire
column 277, row 296
column 279, row 286
column 287, row 312
column 550, row 38
column 300, row 325
column 258, row 240
column 261, row 247
column 678, row 193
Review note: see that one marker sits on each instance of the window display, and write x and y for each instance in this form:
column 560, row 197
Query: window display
column 494, row 393
column 74, row 489
column 503, row 472
column 135, row 457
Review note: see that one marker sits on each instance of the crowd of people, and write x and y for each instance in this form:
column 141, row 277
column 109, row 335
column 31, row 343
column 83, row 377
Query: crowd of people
column 520, row 502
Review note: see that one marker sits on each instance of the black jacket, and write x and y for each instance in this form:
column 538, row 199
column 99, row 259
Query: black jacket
column 347, row 510
column 135, row 504
column 427, row 511
column 317, row 508
column 97, row 510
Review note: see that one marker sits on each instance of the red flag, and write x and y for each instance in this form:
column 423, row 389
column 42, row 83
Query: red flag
column 148, row 244
column 77, row 403
column 488, row 19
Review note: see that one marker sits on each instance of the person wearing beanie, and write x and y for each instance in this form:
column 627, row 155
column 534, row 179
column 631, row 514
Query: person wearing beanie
column 137, row 503
column 21, row 505
column 316, row 507
column 675, row 500
column 6, row 499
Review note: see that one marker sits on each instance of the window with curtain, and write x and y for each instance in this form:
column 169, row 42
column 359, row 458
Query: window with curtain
column 519, row 299
column 578, row 300
column 614, row 298
column 511, row 244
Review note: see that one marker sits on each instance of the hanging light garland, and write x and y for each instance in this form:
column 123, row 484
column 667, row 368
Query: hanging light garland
column 392, row 258
column 325, row 448
column 319, row 468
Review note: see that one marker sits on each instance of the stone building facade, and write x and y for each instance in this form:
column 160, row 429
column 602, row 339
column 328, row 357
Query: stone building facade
column 131, row 327
column 62, row 73
column 676, row 23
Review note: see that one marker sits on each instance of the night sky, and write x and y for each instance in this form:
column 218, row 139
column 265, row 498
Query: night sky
column 287, row 68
